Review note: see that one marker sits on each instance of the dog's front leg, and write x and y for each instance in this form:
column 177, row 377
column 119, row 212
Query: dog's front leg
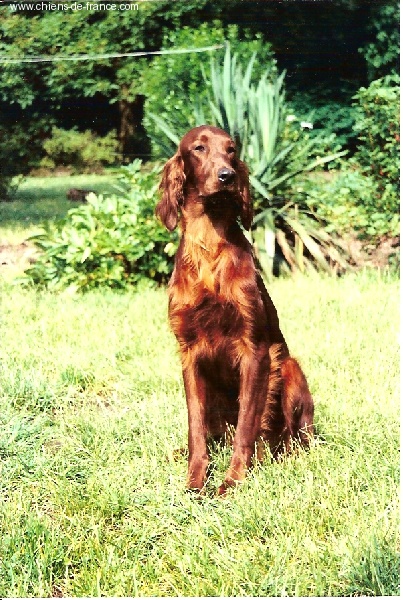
column 254, row 371
column 195, row 388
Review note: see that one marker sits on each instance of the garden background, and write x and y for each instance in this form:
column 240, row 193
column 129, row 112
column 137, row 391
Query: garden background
column 92, row 407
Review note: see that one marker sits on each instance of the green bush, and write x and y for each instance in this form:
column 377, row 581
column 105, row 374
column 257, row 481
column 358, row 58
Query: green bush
column 84, row 151
column 113, row 241
column 364, row 195
column 349, row 202
column 378, row 127
column 328, row 116
column 20, row 149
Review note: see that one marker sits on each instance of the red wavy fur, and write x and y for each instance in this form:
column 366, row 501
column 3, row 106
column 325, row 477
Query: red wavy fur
column 236, row 366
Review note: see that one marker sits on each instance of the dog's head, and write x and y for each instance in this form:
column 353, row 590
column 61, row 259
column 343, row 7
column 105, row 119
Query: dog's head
column 205, row 170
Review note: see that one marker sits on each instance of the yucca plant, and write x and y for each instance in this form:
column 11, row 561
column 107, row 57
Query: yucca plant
column 229, row 104
column 276, row 150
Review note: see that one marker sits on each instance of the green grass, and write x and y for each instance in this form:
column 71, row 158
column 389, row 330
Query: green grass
column 93, row 499
column 40, row 199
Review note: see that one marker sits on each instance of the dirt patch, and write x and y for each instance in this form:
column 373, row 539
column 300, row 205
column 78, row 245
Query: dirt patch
column 381, row 255
column 16, row 257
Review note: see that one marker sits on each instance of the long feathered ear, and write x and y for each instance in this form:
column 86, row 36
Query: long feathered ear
column 171, row 186
column 247, row 208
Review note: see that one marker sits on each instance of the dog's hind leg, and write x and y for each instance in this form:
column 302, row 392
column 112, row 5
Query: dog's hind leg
column 297, row 403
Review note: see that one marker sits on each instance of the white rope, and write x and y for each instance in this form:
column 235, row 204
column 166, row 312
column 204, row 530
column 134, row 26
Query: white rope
column 39, row 59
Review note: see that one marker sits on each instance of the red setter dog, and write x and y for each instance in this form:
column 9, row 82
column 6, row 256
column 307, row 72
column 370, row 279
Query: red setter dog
column 236, row 366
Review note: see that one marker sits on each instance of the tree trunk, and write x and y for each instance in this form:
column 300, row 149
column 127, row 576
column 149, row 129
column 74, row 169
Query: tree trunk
column 132, row 139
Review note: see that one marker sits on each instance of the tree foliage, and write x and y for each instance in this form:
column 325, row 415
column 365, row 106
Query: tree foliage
column 382, row 51
column 326, row 63
column 91, row 32
column 85, row 32
column 310, row 40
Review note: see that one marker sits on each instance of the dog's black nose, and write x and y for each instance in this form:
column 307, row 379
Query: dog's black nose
column 226, row 175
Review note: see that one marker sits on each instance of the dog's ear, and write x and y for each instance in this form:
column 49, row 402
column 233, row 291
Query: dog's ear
column 171, row 186
column 247, row 208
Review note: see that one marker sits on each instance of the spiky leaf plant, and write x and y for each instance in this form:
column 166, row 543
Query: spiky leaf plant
column 276, row 150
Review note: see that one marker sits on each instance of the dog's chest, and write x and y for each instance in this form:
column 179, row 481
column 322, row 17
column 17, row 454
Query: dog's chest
column 218, row 300
column 208, row 319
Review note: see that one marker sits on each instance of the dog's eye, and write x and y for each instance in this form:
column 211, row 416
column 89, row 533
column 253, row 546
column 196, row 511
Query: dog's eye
column 200, row 148
column 231, row 150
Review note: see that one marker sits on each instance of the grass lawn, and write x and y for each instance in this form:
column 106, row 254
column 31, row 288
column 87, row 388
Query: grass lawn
column 92, row 494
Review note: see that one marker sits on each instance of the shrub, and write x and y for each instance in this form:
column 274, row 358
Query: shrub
column 84, row 151
column 20, row 149
column 378, row 126
column 349, row 202
column 364, row 196
column 114, row 241
column 328, row 116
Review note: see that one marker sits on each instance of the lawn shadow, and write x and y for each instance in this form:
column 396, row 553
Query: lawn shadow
column 43, row 199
